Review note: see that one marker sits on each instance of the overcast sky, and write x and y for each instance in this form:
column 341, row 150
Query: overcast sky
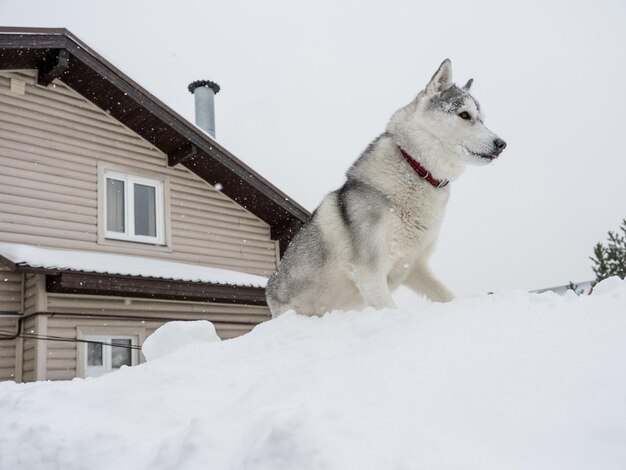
column 306, row 86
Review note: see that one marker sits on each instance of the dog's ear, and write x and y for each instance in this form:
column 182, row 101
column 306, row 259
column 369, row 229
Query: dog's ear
column 442, row 80
column 468, row 85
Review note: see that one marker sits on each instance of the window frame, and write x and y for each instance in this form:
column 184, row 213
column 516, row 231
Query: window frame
column 85, row 330
column 107, row 353
column 129, row 181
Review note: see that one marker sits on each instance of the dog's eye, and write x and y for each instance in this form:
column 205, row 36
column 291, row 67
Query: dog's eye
column 465, row 115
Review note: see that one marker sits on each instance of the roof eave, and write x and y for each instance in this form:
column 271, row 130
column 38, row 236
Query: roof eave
column 63, row 281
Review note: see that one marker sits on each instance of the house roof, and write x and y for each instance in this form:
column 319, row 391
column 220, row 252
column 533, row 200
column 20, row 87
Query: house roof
column 57, row 53
column 53, row 260
column 96, row 273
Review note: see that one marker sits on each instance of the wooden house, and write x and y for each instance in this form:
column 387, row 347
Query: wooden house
column 117, row 215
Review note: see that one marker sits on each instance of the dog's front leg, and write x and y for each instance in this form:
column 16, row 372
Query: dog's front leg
column 372, row 284
column 422, row 280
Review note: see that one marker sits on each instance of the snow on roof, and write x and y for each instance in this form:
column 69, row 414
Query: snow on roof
column 106, row 263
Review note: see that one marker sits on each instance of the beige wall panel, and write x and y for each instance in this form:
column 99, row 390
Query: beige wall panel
column 161, row 309
column 7, row 347
column 29, row 354
column 51, row 142
column 10, row 291
column 30, row 375
column 61, row 364
column 12, row 209
column 48, row 131
column 50, row 160
column 31, row 293
column 30, row 349
column 34, row 221
column 27, row 190
column 66, row 374
column 61, row 353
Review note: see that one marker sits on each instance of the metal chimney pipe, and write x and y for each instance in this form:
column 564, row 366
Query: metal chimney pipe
column 204, row 92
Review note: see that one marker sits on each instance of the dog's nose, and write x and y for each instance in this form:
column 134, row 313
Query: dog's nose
column 500, row 144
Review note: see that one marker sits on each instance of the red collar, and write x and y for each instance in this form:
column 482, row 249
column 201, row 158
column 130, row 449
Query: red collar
column 420, row 170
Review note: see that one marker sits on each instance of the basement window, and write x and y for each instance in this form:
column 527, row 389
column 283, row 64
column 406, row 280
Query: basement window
column 133, row 208
column 109, row 353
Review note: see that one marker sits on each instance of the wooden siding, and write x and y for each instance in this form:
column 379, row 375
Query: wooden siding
column 51, row 141
column 10, row 291
column 140, row 314
column 223, row 315
column 34, row 293
column 30, row 349
column 8, row 348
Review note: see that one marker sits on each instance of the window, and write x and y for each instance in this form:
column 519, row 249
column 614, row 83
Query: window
column 133, row 208
column 101, row 358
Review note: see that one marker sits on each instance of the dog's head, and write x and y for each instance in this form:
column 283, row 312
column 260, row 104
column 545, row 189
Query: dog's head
column 446, row 120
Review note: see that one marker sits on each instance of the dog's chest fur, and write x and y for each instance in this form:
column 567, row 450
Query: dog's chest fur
column 416, row 208
column 417, row 217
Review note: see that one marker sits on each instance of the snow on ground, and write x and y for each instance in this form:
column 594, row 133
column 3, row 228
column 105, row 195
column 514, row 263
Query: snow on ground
column 505, row 381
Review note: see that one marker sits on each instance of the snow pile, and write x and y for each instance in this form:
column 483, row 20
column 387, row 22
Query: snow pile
column 176, row 334
column 515, row 381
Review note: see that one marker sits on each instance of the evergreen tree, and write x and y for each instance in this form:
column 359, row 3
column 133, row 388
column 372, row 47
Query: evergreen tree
column 610, row 260
column 574, row 287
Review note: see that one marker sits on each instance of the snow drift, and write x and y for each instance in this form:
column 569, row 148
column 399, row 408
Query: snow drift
column 515, row 381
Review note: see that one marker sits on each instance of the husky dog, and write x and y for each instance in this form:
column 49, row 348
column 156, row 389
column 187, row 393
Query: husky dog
column 379, row 229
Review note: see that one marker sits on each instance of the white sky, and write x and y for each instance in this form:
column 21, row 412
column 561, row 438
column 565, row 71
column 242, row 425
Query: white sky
column 306, row 86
